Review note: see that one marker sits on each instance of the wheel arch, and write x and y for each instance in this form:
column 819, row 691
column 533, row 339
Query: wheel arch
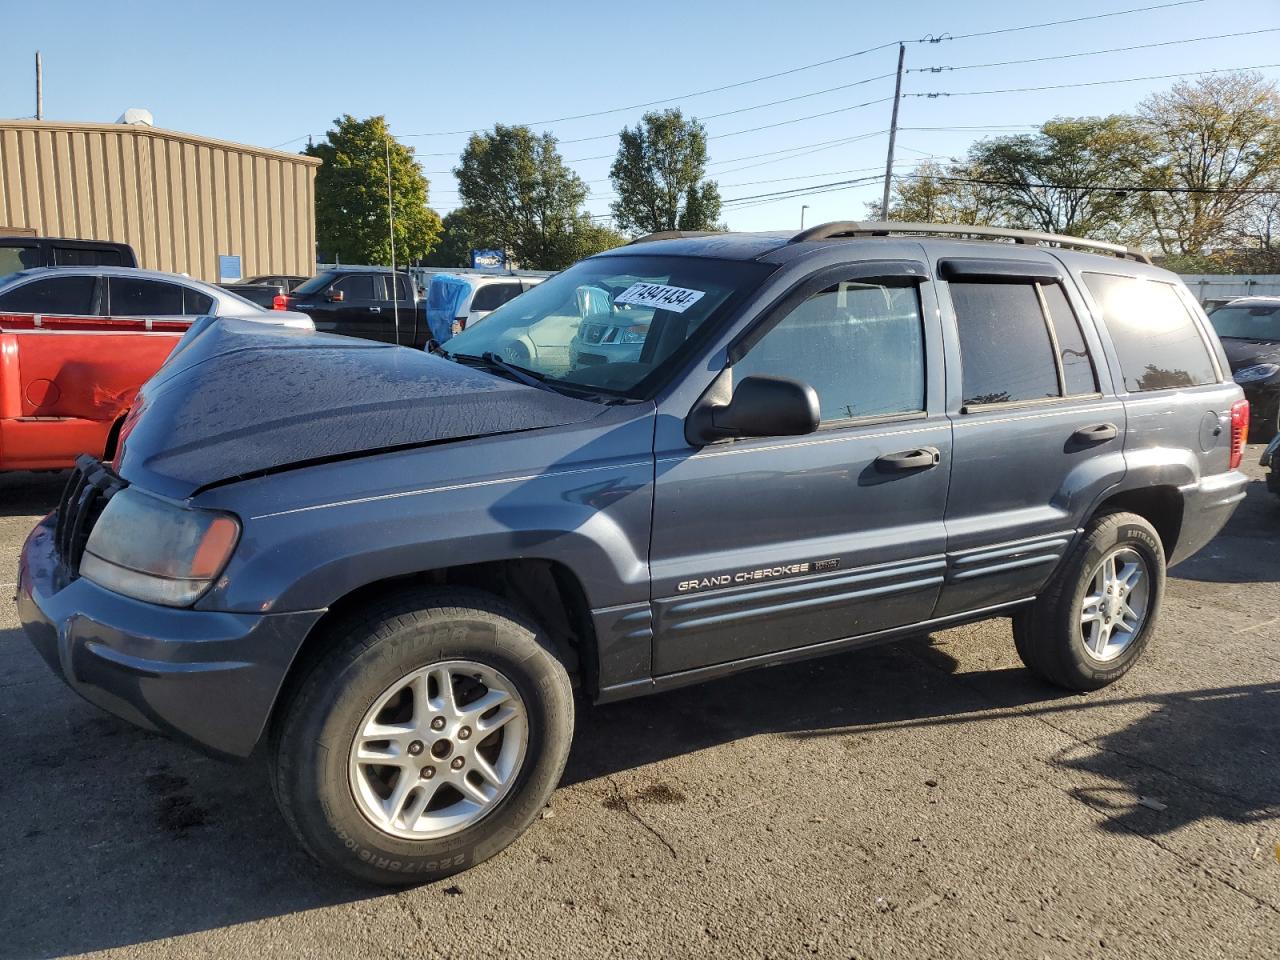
column 1160, row 505
column 547, row 591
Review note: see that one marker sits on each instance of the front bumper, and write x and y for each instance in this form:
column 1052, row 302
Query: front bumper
column 207, row 677
column 1207, row 505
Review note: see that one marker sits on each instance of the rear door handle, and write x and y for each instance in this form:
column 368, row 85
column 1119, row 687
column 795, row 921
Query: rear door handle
column 375, row 309
column 1098, row 433
column 922, row 458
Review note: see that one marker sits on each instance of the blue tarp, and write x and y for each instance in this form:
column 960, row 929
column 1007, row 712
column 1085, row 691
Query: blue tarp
column 445, row 297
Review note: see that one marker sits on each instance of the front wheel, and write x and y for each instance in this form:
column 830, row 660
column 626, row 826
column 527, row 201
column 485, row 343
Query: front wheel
column 1096, row 616
column 426, row 739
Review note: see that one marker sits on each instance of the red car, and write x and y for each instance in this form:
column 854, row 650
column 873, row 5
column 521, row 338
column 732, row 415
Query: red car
column 75, row 346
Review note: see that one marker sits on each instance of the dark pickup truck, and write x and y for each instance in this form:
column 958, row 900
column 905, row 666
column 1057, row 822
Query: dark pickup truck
column 362, row 302
column 387, row 570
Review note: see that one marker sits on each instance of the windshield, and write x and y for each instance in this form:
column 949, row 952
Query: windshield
column 1248, row 322
column 315, row 283
column 613, row 323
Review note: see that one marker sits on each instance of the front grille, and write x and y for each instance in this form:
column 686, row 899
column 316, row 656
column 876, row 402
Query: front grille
column 88, row 489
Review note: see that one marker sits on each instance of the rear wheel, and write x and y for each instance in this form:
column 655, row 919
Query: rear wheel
column 425, row 740
column 1096, row 616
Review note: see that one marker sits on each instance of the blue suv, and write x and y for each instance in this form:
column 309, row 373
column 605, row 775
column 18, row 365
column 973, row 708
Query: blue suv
column 388, row 570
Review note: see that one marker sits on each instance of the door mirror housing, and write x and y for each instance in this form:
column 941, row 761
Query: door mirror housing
column 760, row 406
column 336, row 296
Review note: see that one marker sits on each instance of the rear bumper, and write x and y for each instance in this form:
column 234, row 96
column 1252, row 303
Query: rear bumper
column 1207, row 505
column 206, row 677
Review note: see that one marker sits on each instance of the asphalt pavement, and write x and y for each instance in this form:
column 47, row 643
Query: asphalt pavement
column 923, row 799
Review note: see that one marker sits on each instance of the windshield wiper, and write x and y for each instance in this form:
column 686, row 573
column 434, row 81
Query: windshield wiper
column 494, row 362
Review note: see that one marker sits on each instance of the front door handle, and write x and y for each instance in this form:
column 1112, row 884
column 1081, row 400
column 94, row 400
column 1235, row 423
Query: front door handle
column 1098, row 433
column 922, row 458
column 375, row 309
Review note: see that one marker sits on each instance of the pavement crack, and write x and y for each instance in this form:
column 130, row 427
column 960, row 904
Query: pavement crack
column 622, row 803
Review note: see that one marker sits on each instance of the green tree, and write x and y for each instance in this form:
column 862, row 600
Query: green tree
column 1049, row 180
column 659, row 176
column 455, row 246
column 937, row 194
column 351, row 195
column 590, row 238
column 1217, row 137
column 517, row 194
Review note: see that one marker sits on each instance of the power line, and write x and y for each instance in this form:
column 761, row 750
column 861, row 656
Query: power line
column 1099, row 188
column 1093, row 53
column 1059, row 23
column 1088, row 83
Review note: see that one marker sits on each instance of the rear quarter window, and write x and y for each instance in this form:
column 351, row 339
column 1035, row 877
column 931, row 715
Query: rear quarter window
column 1157, row 340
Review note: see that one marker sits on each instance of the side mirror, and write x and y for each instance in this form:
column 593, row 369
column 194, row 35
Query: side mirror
column 761, row 406
column 336, row 296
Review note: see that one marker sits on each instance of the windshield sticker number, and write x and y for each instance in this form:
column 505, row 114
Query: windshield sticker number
column 659, row 296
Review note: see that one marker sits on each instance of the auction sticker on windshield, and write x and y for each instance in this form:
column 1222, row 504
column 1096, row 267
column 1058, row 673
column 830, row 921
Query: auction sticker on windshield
column 659, row 296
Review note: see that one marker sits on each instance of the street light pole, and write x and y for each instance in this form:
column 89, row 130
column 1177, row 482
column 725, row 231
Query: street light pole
column 803, row 208
column 391, row 229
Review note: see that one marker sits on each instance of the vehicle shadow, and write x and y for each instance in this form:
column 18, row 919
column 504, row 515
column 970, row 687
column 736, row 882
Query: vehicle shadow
column 119, row 837
column 24, row 494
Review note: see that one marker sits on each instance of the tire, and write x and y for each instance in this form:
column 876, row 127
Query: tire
column 330, row 796
column 1049, row 633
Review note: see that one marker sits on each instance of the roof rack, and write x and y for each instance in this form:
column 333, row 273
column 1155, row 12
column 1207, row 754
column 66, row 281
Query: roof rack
column 673, row 235
column 853, row 228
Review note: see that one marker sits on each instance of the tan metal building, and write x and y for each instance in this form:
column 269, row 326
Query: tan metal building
column 180, row 200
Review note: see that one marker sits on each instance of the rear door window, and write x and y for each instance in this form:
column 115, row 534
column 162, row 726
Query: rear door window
column 136, row 297
column 1156, row 338
column 1005, row 351
column 87, row 257
column 61, row 296
column 1078, row 373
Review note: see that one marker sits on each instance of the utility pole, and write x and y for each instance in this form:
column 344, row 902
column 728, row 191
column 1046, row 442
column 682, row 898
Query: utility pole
column 803, row 208
column 391, row 228
column 893, row 134
column 39, row 88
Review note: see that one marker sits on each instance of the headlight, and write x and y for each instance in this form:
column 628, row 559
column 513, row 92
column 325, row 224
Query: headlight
column 634, row 334
column 153, row 550
column 1261, row 371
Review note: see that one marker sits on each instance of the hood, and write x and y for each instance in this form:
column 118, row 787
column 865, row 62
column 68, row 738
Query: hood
column 1247, row 353
column 242, row 399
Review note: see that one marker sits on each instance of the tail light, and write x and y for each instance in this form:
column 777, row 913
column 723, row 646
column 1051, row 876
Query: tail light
column 1239, row 432
column 279, row 302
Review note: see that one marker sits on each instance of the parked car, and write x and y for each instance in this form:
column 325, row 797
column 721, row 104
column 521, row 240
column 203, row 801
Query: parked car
column 1271, row 460
column 456, row 301
column 285, row 281
column 1249, row 328
column 264, row 295
column 387, row 570
column 77, row 343
column 362, row 302
column 26, row 253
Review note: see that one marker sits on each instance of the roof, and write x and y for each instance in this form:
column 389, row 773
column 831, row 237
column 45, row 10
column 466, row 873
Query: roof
column 158, row 133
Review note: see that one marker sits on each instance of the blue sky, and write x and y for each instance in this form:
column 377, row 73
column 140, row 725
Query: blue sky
column 268, row 73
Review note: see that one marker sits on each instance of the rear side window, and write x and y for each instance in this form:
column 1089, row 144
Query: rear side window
column 859, row 345
column 493, row 295
column 133, row 297
column 195, row 302
column 72, row 296
column 1005, row 351
column 1156, row 338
